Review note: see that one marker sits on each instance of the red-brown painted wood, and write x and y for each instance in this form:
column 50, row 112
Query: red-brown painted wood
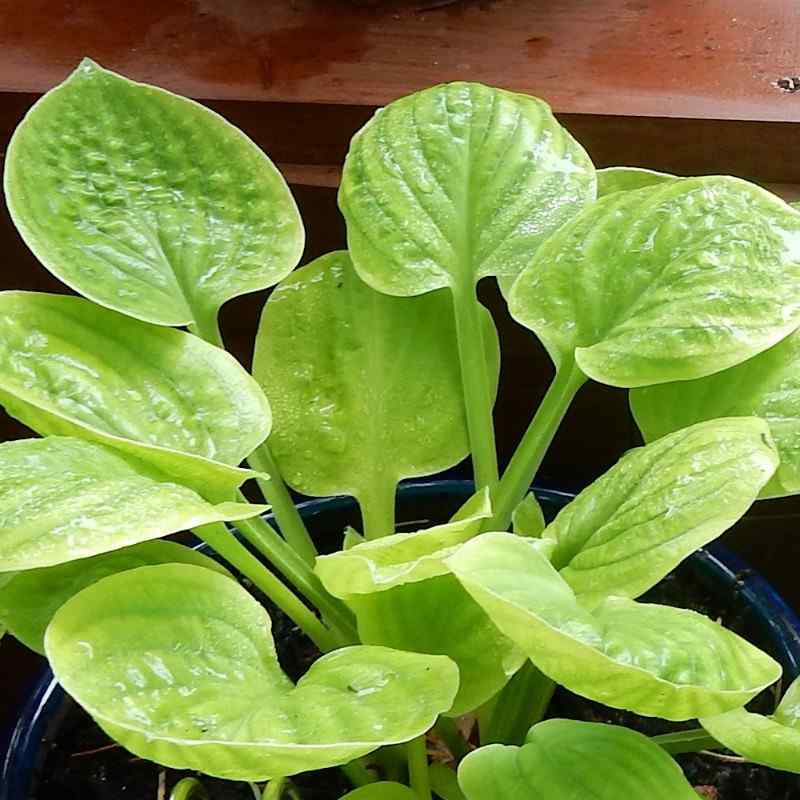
column 680, row 58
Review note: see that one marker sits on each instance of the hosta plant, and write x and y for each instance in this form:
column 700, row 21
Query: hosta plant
column 374, row 365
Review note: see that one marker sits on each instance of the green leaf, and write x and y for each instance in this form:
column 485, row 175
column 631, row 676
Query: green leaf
column 626, row 179
column 670, row 282
column 29, row 599
column 62, row 499
column 458, row 182
column 658, row 504
column 146, row 202
column 398, row 586
column 219, row 702
column 772, row 741
column 653, row 660
column 567, row 759
column 379, row 565
column 439, row 617
column 69, row 367
column 365, row 388
column 382, row 790
column 528, row 518
column 766, row 386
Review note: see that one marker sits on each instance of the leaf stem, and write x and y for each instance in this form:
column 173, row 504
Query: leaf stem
column 444, row 782
column 277, row 494
column 189, row 789
column 521, row 703
column 357, row 773
column 476, row 385
column 378, row 510
column 261, row 535
column 530, row 452
column 692, row 741
column 206, row 326
column 217, row 536
column 418, row 778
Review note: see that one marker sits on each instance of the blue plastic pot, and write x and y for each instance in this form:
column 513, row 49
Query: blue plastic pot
column 764, row 617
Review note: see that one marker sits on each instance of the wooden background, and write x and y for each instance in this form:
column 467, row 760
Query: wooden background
column 687, row 86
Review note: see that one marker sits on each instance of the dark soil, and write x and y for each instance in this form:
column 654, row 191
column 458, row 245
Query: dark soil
column 718, row 779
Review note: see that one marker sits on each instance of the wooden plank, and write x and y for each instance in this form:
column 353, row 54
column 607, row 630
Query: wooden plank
column 715, row 59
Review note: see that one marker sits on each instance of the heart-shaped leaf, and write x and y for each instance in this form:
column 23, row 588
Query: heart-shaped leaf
column 773, row 741
column 219, row 702
column 62, row 499
column 659, row 504
column 767, row 386
column 146, row 202
column 365, row 388
column 653, row 660
column 670, row 282
column 567, row 759
column 398, row 586
column 458, row 182
column 70, row 367
column 29, row 599
column 626, row 179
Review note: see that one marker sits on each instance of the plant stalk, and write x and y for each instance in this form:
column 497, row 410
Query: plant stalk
column 378, row 510
column 217, row 536
column 418, row 778
column 357, row 773
column 277, row 494
column 476, row 385
column 444, row 782
column 189, row 789
column 521, row 703
column 531, row 450
column 266, row 540
column 692, row 741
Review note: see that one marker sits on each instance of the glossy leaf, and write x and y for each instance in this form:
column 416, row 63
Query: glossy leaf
column 219, row 702
column 653, row 660
column 458, row 182
column 439, row 617
column 766, row 386
column 365, row 388
column 669, row 282
column 567, row 759
column 626, row 179
column 658, row 504
column 398, row 586
column 773, row 741
column 379, row 565
column 382, row 790
column 528, row 518
column 62, row 499
column 146, row 202
column 70, row 367
column 29, row 599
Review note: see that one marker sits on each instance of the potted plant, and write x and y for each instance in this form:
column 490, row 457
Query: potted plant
column 372, row 366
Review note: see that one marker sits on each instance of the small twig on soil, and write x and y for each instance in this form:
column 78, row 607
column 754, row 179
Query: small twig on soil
column 162, row 785
column 723, row 757
column 112, row 746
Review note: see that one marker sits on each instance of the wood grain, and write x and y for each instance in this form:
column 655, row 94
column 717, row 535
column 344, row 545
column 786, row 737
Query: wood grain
column 663, row 58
